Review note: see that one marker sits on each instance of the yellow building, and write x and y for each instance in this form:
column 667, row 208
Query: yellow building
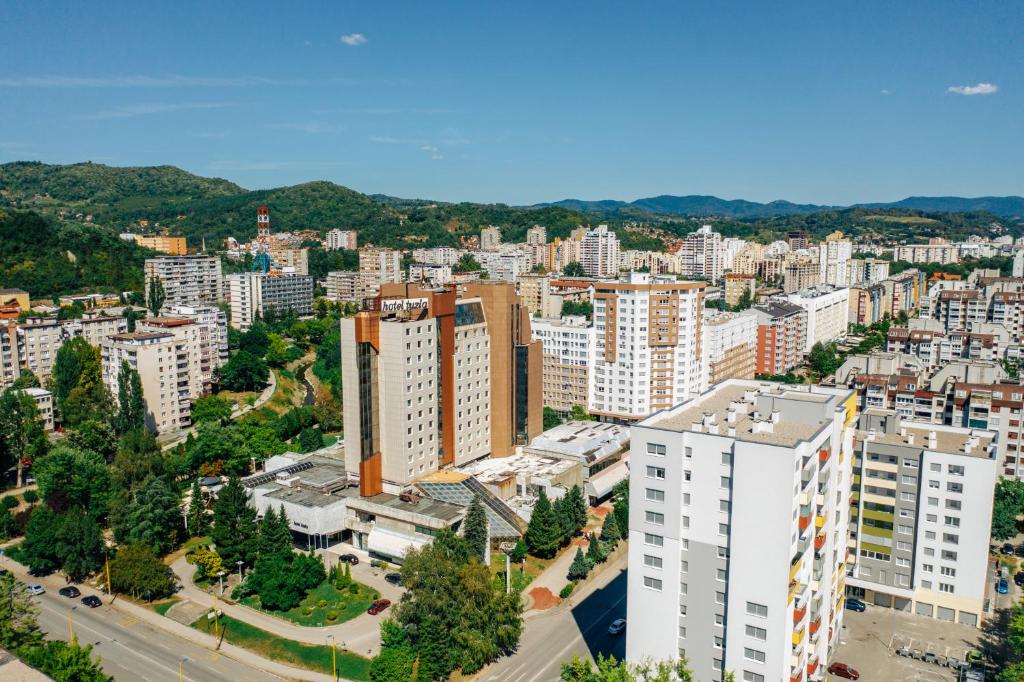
column 14, row 297
column 174, row 246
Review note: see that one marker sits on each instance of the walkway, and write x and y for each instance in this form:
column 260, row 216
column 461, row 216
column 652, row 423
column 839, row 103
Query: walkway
column 360, row 635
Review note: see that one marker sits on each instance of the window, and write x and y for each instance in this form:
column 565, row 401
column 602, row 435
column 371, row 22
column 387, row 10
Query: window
column 688, row 453
column 752, row 677
column 726, row 458
column 935, row 466
column 652, row 561
column 933, row 484
column 753, row 654
column 656, row 518
column 953, row 521
column 926, row 584
column 928, row 568
column 756, row 632
column 654, row 540
column 947, row 571
column 686, row 522
column 682, row 588
column 933, row 502
column 718, row 642
column 953, row 504
column 759, row 610
column 904, row 530
column 956, row 469
column 903, row 561
column 908, row 480
column 951, row 538
column 948, row 555
column 720, row 575
column 684, row 566
column 654, row 495
column 719, row 597
column 907, row 497
column 903, row 545
column 955, row 487
column 929, row 535
column 652, row 583
column 725, row 481
column 931, row 518
column 719, row 619
column 945, row 587
column 682, row 632
column 656, row 472
column 687, row 475
column 723, row 529
column 655, row 449
column 723, row 505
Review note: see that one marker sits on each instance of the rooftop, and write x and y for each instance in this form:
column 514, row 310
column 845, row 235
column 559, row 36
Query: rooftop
column 756, row 411
column 424, row 506
column 498, row 469
column 947, row 439
column 586, row 440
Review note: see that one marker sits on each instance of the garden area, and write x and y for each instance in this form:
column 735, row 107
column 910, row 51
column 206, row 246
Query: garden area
column 325, row 604
column 309, row 656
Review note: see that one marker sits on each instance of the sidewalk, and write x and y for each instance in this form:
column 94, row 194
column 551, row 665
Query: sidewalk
column 556, row 575
column 54, row 583
column 361, row 635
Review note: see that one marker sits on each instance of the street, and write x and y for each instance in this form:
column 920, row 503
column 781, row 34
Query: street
column 555, row 636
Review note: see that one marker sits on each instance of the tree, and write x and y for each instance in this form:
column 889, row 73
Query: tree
column 476, row 532
column 234, row 524
column 277, row 352
column 92, row 434
column 243, row 372
column 574, row 269
column 152, row 517
column 551, row 418
column 396, row 658
column 206, row 561
column 610, row 529
column 580, row 308
column 579, row 568
column 22, row 436
column 197, row 521
column 275, row 538
column 39, row 548
column 467, row 263
column 132, row 316
column 620, row 506
column 610, row 670
column 77, row 383
column 27, row 379
column 595, row 552
column 311, row 439
column 520, row 551
column 70, row 478
column 744, row 301
column 156, row 296
column 66, row 661
column 255, row 340
column 19, row 624
column 564, row 516
column 211, row 408
column 131, row 404
column 543, row 535
column 823, row 359
column 138, row 571
column 1007, row 505
column 576, row 508
column 578, row 413
column 138, row 457
column 78, row 544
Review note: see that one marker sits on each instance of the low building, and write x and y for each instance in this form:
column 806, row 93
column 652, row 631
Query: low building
column 94, row 327
column 736, row 285
column 44, row 403
column 351, row 286
column 601, row 448
column 174, row 246
column 827, row 311
column 518, row 480
column 341, row 239
column 16, row 297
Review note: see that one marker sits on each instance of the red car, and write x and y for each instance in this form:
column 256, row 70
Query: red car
column 378, row 606
column 844, row 671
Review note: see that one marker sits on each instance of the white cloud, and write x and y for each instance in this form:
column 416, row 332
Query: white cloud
column 969, row 90
column 354, row 39
column 134, row 110
column 886, row 92
column 171, row 81
column 428, row 148
column 312, row 127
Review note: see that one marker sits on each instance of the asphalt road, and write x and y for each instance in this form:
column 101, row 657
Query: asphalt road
column 134, row 650
column 553, row 637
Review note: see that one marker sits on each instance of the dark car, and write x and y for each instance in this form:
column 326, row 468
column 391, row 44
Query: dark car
column 70, row 592
column 92, row 601
column 856, row 605
column 378, row 606
column 844, row 671
column 1019, row 579
column 1019, row 551
column 394, row 578
column 1003, row 587
column 349, row 559
column 1006, row 548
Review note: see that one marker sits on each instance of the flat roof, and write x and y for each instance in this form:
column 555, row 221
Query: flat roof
column 424, row 506
column 951, row 440
column 754, row 402
column 499, row 469
column 589, row 440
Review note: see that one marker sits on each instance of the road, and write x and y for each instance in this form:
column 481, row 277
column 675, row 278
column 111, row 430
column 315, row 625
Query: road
column 553, row 637
column 132, row 649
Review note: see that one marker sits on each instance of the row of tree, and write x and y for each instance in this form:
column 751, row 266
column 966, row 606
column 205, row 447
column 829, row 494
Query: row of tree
column 553, row 525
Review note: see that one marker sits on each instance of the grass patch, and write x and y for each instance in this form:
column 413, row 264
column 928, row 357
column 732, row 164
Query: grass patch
column 905, row 219
column 287, row 385
column 308, row 656
column 240, row 397
column 343, row 604
column 162, row 607
column 532, row 568
column 331, row 440
column 14, row 551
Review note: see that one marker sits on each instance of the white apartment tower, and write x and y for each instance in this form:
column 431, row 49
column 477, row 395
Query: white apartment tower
column 341, row 239
column 647, row 345
column 827, row 313
column 187, row 280
column 254, row 295
column 490, row 238
column 702, row 255
column 599, row 252
column 385, row 263
column 164, row 370
column 568, row 345
column 738, row 528
column 834, row 262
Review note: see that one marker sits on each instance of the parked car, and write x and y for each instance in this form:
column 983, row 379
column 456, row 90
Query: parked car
column 1019, row 551
column 70, row 592
column 92, row 601
column 349, row 559
column 394, row 578
column 844, row 671
column 35, row 589
column 1007, row 548
column 617, row 627
column 856, row 605
column 378, row 606
column 1019, row 579
column 1002, row 587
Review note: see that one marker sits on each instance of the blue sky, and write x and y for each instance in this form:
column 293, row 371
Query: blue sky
column 524, row 102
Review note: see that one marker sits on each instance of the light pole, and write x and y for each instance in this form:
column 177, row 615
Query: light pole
column 71, row 625
column 221, row 576
column 181, row 669
column 239, row 562
column 334, row 656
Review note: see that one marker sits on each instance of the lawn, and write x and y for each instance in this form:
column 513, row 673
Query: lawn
column 162, row 607
column 308, row 656
column 322, row 602
column 14, row 551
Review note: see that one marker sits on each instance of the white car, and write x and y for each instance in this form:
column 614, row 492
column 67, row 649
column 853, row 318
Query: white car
column 617, row 626
column 35, row 589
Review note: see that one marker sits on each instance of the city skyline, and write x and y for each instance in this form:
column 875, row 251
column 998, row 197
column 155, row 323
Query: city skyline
column 803, row 103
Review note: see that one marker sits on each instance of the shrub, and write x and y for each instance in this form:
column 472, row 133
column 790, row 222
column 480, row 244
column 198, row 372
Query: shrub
column 567, row 590
column 9, row 502
column 31, row 496
column 322, row 603
column 332, row 615
column 353, row 588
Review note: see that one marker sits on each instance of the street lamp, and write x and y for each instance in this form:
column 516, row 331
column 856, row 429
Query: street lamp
column 71, row 625
column 239, row 562
column 181, row 669
column 334, row 656
column 221, row 576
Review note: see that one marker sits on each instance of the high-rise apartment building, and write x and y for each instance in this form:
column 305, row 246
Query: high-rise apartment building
column 798, row 239
column 599, row 252
column 204, row 333
column 352, row 286
column 729, row 342
column 738, row 529
column 568, row 345
column 537, row 235
column 187, row 280
column 95, row 326
column 648, row 345
column 923, row 513
column 164, row 369
column 490, row 238
column 535, row 290
column 834, row 261
column 255, row 295
column 781, row 336
column 799, row 273
column 39, row 339
column 928, row 253
column 736, row 285
column 385, row 263
column 827, row 312
column 290, row 260
column 341, row 239
column 10, row 363
column 702, row 255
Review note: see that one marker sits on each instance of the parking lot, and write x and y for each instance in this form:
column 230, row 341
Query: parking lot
column 869, row 642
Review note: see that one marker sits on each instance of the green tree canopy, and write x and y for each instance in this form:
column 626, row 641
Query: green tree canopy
column 580, row 567
column 156, row 295
column 198, row 521
column 22, row 436
column 574, row 269
column 138, row 571
column 131, row 404
column 211, row 408
column 1007, row 505
column 152, row 516
column 476, row 532
column 551, row 418
column 234, row 524
column 78, row 544
column 243, row 372
column 544, row 534
column 71, row 478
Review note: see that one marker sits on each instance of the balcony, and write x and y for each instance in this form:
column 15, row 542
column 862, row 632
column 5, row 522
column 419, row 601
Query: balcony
column 819, row 542
column 815, row 626
column 823, row 455
column 799, row 613
column 812, row 666
column 798, row 636
column 819, row 521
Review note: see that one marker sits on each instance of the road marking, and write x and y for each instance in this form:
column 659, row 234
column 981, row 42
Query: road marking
column 558, row 656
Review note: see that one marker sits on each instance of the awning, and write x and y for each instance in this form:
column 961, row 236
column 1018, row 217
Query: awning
column 601, row 483
column 394, row 545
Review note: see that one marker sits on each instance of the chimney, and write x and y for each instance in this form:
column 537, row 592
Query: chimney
column 776, row 415
column 732, row 431
column 910, row 439
column 763, row 426
column 933, row 440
